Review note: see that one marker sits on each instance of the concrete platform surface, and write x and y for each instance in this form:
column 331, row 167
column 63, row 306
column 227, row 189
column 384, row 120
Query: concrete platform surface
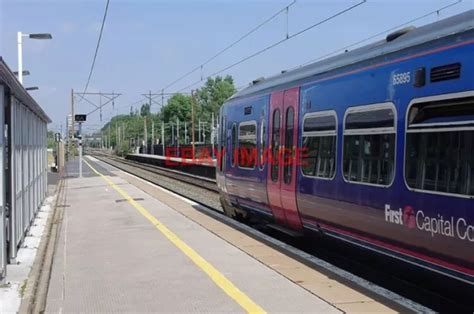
column 12, row 292
column 121, row 249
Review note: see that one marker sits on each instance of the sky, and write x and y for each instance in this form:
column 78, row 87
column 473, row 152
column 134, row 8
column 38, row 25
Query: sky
column 147, row 44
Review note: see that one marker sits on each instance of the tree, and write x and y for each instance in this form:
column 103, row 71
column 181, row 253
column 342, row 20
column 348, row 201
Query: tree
column 145, row 110
column 209, row 99
column 129, row 128
column 178, row 106
column 213, row 94
column 51, row 139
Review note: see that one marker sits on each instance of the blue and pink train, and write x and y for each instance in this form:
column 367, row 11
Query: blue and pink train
column 374, row 147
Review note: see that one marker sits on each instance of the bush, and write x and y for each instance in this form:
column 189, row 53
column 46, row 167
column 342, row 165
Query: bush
column 122, row 149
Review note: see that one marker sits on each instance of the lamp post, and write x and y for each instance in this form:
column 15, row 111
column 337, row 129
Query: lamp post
column 25, row 73
column 20, row 52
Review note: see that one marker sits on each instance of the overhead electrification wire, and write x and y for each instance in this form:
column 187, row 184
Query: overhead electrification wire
column 278, row 43
column 253, row 30
column 329, row 54
column 145, row 99
column 97, row 47
column 378, row 34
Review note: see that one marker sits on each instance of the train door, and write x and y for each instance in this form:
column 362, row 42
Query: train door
column 281, row 180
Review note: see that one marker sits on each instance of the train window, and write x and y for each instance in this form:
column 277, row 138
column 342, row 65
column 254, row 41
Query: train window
column 319, row 122
column 275, row 162
column 370, row 119
column 288, row 152
column 369, row 144
column 233, row 148
column 439, row 155
column 248, row 144
column 319, row 143
column 263, row 144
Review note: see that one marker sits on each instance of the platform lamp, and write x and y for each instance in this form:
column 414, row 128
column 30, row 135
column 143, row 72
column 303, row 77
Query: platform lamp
column 25, row 73
column 20, row 52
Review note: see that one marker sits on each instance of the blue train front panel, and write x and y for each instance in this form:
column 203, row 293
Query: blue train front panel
column 245, row 173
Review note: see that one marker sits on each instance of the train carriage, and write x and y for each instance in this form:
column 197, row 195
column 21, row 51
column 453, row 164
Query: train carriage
column 374, row 146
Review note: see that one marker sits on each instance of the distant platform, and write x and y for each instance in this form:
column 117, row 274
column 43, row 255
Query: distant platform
column 206, row 162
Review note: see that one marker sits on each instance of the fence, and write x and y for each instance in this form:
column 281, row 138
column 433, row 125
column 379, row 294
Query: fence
column 23, row 163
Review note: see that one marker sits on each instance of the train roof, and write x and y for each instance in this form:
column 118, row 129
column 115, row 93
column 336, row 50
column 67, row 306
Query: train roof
column 9, row 79
column 413, row 37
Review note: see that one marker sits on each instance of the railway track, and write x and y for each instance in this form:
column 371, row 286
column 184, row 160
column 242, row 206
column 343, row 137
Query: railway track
column 411, row 286
column 204, row 190
column 203, row 182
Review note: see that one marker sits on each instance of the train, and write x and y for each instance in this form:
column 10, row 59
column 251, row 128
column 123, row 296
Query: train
column 374, row 147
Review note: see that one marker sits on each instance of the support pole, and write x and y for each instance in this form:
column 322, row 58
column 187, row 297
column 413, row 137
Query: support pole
column 116, row 136
column 20, row 57
column 119, row 137
column 71, row 140
column 80, row 149
column 162, row 97
column 185, row 133
column 123, row 132
column 173, row 142
column 212, row 134
column 152, row 137
column 145, row 136
column 163, row 137
column 199, row 128
column 204, row 132
column 192, row 123
column 100, row 107
column 177, row 135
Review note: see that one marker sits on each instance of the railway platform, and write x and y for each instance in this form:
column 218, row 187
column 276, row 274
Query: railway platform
column 126, row 245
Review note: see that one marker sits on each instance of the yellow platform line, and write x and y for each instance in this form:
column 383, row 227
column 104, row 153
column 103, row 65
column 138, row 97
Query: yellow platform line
column 219, row 279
